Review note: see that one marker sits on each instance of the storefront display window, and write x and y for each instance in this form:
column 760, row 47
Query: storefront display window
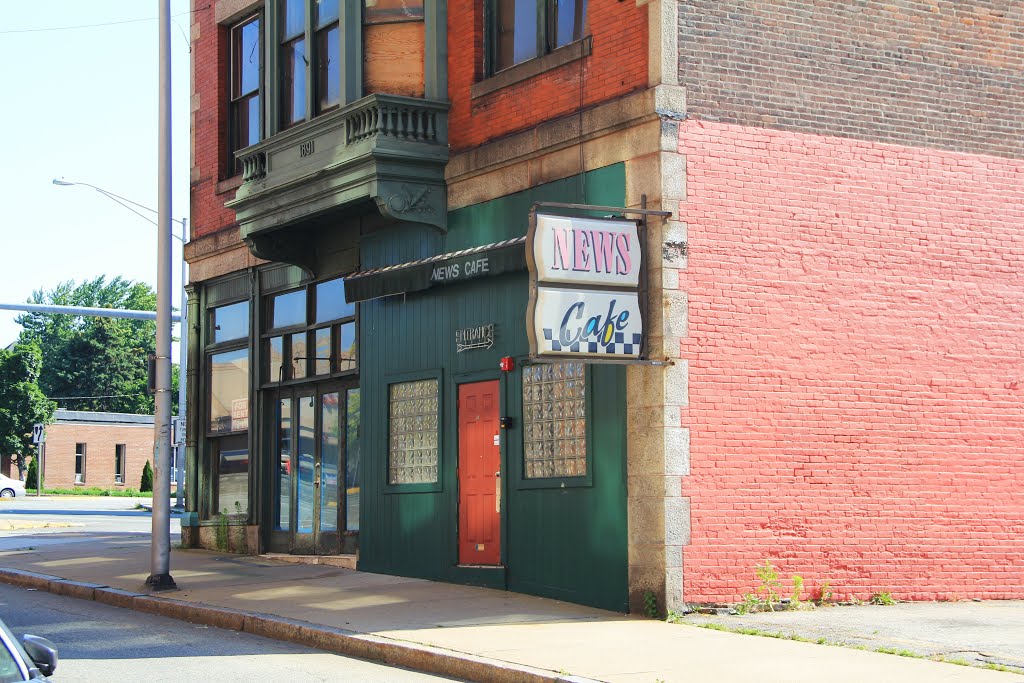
column 229, row 391
column 554, row 420
column 413, row 432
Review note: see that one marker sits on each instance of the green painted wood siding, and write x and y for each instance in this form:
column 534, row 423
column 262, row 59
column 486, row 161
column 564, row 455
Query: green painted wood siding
column 566, row 543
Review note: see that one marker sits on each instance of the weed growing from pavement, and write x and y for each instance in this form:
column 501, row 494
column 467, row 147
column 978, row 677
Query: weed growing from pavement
column 650, row 605
column 770, row 583
column 884, row 598
column 798, row 590
column 222, row 531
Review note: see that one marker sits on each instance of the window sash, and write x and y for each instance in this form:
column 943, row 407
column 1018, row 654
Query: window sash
column 245, row 120
column 521, row 30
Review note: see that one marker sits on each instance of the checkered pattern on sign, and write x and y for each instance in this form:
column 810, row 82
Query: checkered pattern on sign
column 618, row 345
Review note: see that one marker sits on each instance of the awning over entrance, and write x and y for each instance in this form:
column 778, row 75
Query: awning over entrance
column 458, row 266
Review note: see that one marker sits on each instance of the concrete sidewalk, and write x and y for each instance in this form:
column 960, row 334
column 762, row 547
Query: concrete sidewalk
column 460, row 631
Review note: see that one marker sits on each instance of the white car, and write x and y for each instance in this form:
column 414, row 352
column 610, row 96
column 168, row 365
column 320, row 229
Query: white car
column 11, row 488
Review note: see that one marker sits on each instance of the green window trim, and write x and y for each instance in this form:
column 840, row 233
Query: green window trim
column 423, row 487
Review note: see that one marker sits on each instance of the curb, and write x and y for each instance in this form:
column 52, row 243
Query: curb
column 423, row 658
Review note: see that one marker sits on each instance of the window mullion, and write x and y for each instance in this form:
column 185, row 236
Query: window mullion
column 542, row 26
column 271, row 50
column 311, row 64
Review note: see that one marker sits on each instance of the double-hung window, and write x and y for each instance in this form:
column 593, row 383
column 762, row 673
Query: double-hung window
column 309, row 58
column 525, row 29
column 245, row 125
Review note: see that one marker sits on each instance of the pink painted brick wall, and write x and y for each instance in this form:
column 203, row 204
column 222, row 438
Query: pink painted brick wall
column 856, row 349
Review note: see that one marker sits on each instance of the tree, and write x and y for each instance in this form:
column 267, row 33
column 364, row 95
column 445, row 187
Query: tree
column 33, row 472
column 22, row 402
column 92, row 362
column 147, row 478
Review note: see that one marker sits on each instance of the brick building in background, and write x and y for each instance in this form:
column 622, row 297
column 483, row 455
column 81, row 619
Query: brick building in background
column 836, row 290
column 102, row 450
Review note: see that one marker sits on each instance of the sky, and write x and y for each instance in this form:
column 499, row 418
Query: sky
column 82, row 104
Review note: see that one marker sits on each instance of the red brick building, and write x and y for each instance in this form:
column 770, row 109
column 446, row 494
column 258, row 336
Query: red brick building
column 831, row 368
column 102, row 450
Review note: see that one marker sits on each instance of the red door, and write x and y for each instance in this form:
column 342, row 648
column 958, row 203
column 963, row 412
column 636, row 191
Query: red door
column 479, row 474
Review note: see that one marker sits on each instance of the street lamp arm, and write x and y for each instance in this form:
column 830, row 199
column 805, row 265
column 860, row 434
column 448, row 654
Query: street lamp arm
column 124, row 201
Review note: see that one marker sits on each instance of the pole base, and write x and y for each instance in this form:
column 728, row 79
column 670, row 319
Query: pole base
column 157, row 583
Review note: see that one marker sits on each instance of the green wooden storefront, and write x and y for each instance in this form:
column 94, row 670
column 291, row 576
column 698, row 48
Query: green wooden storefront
column 564, row 538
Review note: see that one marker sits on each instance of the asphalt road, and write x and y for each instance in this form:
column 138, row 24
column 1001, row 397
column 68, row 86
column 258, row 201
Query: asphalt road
column 80, row 519
column 100, row 643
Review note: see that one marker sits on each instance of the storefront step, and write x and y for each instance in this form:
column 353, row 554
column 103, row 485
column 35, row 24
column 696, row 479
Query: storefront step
column 344, row 561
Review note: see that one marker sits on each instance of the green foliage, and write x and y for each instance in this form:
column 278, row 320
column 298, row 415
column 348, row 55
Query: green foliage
column 222, row 531
column 147, row 478
column 824, row 593
column 770, row 583
column 884, row 598
column 94, row 491
column 650, row 605
column 95, row 356
column 33, row 472
column 22, row 401
column 798, row 590
column 751, row 603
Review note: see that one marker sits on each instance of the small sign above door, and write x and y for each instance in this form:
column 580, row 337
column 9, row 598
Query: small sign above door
column 479, row 337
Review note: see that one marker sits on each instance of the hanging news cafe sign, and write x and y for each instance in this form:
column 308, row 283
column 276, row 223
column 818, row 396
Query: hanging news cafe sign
column 584, row 287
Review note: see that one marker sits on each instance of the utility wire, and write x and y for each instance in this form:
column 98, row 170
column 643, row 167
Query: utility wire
column 77, row 398
column 101, row 25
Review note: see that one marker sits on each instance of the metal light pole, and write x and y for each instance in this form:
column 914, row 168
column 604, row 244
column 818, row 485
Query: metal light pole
column 179, row 454
column 160, row 559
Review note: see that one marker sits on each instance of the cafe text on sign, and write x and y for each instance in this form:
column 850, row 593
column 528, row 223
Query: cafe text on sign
column 584, row 287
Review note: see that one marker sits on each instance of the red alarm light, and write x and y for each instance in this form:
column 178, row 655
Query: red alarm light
column 507, row 364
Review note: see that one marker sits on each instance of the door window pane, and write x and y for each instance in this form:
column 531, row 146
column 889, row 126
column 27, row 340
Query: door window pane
column 299, row 356
column 230, row 322
column 229, row 391
column 347, row 359
column 554, row 420
column 352, row 461
column 306, row 444
column 284, row 464
column 323, row 351
column 288, row 309
column 233, row 475
column 330, row 459
column 413, row 432
column 330, row 301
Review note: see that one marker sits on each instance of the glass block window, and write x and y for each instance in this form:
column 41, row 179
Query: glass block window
column 413, row 432
column 554, row 420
